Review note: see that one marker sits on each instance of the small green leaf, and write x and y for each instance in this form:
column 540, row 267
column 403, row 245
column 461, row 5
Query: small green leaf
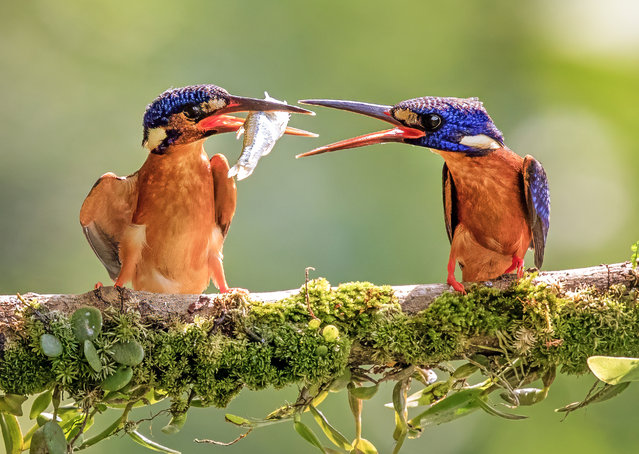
column 356, row 408
column 175, row 424
column 106, row 433
column 50, row 345
column 340, row 382
column 605, row 393
column 307, row 434
column 86, row 323
column 464, row 371
column 48, row 439
column 609, row 391
column 614, row 370
column 452, row 407
column 493, row 411
column 429, row 394
column 525, row 396
column 331, row 432
column 118, row 380
column 150, row 444
column 549, row 376
column 363, row 446
column 635, row 255
column 11, row 433
column 128, row 353
column 74, row 427
column 91, row 355
column 364, row 392
column 40, row 404
column 238, row 420
column 12, row 404
column 44, row 418
column 400, row 404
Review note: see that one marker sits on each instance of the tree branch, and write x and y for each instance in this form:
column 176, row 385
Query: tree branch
column 215, row 344
column 412, row 298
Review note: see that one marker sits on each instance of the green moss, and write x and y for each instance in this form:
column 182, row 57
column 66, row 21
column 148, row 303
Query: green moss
column 271, row 344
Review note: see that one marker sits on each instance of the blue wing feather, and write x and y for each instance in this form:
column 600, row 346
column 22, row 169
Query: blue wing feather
column 538, row 205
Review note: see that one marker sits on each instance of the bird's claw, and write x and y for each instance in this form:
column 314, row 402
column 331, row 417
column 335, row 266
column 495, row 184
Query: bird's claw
column 98, row 285
column 457, row 286
column 517, row 264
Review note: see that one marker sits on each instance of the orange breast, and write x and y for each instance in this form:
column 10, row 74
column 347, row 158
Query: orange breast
column 490, row 202
column 176, row 205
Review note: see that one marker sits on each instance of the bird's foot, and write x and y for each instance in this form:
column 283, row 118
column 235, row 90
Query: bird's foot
column 517, row 264
column 456, row 285
column 98, row 285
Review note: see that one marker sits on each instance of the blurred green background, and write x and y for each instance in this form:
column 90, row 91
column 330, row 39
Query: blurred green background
column 560, row 79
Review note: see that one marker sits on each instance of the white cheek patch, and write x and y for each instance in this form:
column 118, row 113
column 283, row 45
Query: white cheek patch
column 481, row 141
column 155, row 138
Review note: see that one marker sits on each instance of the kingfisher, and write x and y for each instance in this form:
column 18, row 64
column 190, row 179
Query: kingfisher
column 496, row 203
column 163, row 227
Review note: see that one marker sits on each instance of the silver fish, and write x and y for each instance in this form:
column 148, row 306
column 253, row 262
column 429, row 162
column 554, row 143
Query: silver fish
column 262, row 130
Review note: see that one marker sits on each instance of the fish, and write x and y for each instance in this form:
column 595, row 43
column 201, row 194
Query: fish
column 261, row 131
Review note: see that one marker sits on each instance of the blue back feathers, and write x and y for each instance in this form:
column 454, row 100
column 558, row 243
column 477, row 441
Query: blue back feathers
column 175, row 100
column 460, row 117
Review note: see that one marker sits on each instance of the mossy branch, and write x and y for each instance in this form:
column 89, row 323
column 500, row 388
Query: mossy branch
column 213, row 345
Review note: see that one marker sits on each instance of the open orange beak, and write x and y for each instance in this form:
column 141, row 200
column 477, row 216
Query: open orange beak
column 221, row 122
column 397, row 134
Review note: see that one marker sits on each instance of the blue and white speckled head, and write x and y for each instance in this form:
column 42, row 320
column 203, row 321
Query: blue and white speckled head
column 450, row 124
column 188, row 114
column 177, row 100
column 173, row 117
column 445, row 124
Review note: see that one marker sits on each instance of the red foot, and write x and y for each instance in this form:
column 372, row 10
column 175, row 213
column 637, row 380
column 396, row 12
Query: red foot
column 455, row 284
column 517, row 264
column 452, row 263
column 98, row 285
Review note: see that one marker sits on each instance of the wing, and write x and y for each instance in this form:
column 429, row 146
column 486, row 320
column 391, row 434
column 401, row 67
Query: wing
column 105, row 213
column 538, row 205
column 450, row 202
column 225, row 193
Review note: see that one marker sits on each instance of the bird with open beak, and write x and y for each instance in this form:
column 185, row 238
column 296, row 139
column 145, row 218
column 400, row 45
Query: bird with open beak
column 496, row 203
column 163, row 227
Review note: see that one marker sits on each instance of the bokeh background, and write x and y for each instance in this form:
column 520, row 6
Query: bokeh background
column 560, row 79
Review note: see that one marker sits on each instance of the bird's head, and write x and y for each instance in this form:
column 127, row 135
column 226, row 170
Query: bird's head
column 188, row 114
column 444, row 124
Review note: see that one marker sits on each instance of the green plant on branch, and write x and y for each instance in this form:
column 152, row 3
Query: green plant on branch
column 348, row 339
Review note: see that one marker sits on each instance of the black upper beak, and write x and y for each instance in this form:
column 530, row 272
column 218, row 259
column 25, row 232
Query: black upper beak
column 242, row 104
column 378, row 111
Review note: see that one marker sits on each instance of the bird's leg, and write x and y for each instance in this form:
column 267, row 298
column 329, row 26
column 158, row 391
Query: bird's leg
column 217, row 274
column 452, row 263
column 518, row 264
column 133, row 241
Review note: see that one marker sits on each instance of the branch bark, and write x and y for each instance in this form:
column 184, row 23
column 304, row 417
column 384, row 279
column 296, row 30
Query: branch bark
column 412, row 298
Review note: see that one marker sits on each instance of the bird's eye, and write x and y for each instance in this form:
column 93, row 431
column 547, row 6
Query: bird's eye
column 193, row 111
column 431, row 122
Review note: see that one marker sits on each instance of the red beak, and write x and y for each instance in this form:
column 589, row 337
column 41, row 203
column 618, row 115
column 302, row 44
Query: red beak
column 398, row 134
